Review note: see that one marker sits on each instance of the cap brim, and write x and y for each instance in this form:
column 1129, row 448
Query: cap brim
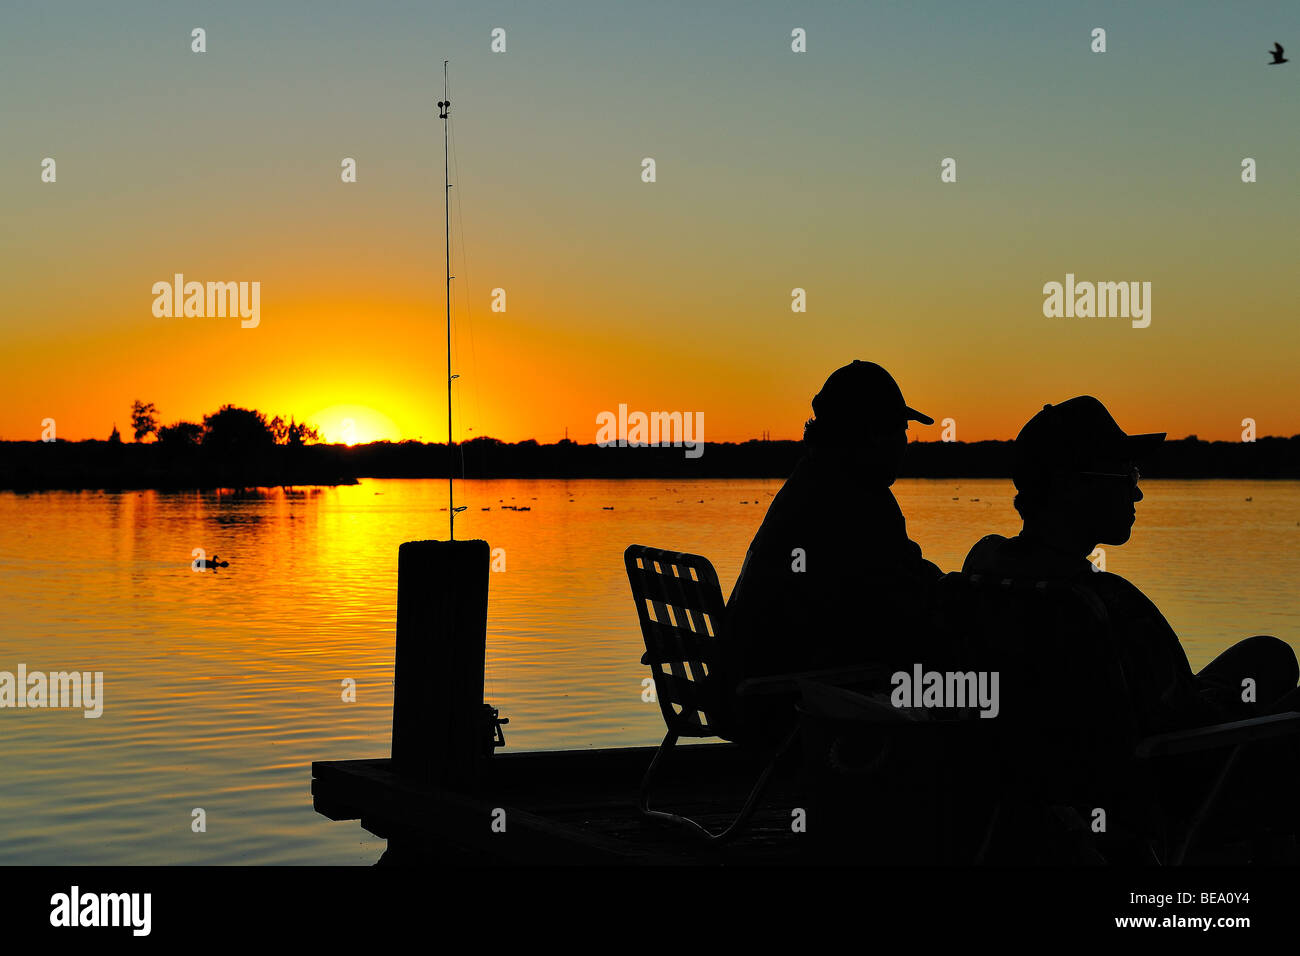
column 1138, row 446
column 914, row 416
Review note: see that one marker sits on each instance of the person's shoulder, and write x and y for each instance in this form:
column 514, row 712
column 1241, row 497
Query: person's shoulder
column 1125, row 601
column 984, row 555
column 1111, row 581
column 1115, row 585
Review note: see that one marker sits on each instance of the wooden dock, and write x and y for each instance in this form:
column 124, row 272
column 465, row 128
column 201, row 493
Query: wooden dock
column 446, row 795
column 567, row 807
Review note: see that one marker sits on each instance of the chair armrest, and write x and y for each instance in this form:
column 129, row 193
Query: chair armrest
column 778, row 684
column 826, row 701
column 1219, row 735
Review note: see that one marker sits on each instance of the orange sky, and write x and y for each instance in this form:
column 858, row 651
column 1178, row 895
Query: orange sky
column 668, row 296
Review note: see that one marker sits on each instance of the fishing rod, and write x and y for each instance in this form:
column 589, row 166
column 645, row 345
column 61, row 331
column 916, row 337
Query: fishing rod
column 444, row 107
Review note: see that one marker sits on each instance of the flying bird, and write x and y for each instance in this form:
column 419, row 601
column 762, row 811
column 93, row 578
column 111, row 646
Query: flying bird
column 1277, row 54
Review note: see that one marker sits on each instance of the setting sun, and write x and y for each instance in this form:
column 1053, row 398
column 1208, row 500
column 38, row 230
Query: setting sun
column 354, row 425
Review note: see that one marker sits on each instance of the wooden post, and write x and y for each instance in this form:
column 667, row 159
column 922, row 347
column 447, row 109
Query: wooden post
column 438, row 666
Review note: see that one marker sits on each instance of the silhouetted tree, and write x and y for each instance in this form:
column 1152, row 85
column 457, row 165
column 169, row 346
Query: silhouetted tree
column 144, row 418
column 235, row 429
column 116, row 437
column 180, row 434
column 300, row 433
column 293, row 432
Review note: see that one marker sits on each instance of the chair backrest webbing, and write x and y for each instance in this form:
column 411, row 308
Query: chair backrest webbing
column 680, row 606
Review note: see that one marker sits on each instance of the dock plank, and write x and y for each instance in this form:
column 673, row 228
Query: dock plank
column 567, row 807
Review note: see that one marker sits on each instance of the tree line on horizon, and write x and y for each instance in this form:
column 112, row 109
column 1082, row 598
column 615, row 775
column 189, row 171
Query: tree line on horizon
column 232, row 447
column 230, row 427
column 242, row 447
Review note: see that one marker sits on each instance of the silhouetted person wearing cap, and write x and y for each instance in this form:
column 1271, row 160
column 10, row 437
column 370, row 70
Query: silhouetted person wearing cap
column 831, row 577
column 1076, row 477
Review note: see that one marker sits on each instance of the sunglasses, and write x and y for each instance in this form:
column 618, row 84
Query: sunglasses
column 1132, row 474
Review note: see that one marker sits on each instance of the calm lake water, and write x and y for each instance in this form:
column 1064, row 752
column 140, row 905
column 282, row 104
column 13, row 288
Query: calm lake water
column 220, row 688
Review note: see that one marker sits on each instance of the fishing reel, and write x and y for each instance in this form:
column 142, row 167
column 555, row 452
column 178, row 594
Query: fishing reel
column 493, row 735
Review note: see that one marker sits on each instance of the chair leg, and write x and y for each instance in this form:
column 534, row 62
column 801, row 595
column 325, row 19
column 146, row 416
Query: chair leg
column 760, row 787
column 643, row 799
column 1206, row 807
column 987, row 842
column 747, row 811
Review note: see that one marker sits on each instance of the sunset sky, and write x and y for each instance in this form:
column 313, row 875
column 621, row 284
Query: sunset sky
column 775, row 170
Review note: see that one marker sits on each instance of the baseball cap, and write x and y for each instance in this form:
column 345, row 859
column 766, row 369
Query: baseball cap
column 1074, row 436
column 864, row 392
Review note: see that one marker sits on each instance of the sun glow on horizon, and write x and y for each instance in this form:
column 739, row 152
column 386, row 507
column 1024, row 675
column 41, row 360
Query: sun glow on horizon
column 354, row 425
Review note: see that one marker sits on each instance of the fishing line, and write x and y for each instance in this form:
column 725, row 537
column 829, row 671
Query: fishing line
column 489, row 683
column 469, row 322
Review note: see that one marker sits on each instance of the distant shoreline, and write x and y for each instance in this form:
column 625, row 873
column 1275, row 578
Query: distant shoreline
column 71, row 466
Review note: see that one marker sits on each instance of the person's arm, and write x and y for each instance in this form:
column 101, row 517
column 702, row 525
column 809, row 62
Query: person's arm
column 1171, row 697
